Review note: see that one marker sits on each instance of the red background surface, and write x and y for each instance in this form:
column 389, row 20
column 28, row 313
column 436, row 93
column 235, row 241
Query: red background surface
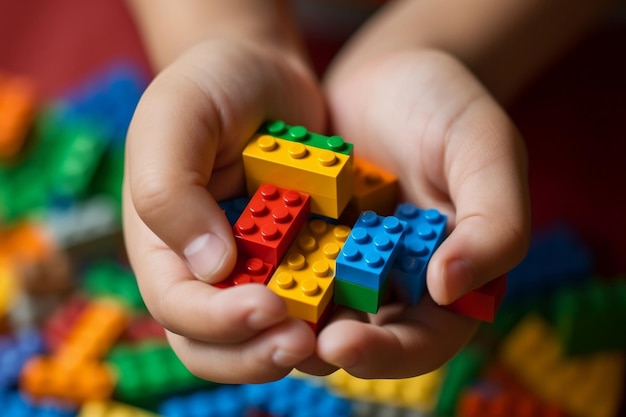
column 573, row 118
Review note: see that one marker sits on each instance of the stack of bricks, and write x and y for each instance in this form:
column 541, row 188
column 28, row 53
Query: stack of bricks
column 301, row 236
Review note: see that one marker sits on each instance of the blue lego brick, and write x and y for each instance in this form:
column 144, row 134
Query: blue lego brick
column 295, row 397
column 15, row 350
column 15, row 404
column 557, row 258
column 370, row 251
column 108, row 98
column 233, row 208
column 426, row 229
column 220, row 402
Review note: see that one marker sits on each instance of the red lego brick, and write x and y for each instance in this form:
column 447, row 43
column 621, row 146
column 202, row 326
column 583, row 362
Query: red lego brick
column 248, row 270
column 483, row 302
column 270, row 222
column 60, row 324
column 143, row 328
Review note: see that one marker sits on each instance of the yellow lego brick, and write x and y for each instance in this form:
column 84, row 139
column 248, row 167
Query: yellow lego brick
column 8, row 286
column 419, row 393
column 585, row 386
column 112, row 409
column 325, row 175
column 304, row 278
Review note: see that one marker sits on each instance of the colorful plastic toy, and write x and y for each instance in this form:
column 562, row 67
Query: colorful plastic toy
column 248, row 270
column 279, row 129
column 481, row 303
column 18, row 104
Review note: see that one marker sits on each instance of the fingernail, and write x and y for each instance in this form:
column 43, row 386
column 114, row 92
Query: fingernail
column 205, row 255
column 286, row 359
column 459, row 279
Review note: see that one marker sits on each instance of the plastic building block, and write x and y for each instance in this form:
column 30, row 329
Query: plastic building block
column 295, row 397
column 18, row 103
column 150, row 371
column 369, row 253
column 586, row 386
column 111, row 409
column 323, row 319
column 459, row 372
column 374, row 189
column 248, row 270
column 143, row 328
column 326, row 176
column 279, row 129
column 589, row 317
column 94, row 332
column 14, row 352
column 111, row 279
column 304, row 279
column 58, row 325
column 481, row 303
column 358, row 297
column 426, row 229
column 224, row 401
column 557, row 258
column 270, row 222
column 417, row 393
column 48, row 377
column 16, row 404
column 8, row 286
column 233, row 208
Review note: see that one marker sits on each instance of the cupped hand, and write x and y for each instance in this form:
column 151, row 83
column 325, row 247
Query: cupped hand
column 423, row 115
column 184, row 154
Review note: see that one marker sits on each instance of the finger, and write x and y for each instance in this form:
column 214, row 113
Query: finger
column 423, row 341
column 270, row 355
column 195, row 109
column 488, row 186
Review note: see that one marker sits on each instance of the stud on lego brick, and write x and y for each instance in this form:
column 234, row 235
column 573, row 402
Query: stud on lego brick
column 424, row 233
column 279, row 129
column 248, row 270
column 270, row 222
column 326, row 176
column 304, row 279
column 481, row 303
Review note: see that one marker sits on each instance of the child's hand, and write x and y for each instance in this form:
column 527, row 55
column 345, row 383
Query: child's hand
column 422, row 115
column 183, row 154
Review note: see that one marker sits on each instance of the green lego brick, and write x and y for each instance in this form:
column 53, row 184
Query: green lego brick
column 149, row 372
column 590, row 317
column 279, row 129
column 461, row 371
column 359, row 297
column 110, row 279
column 109, row 175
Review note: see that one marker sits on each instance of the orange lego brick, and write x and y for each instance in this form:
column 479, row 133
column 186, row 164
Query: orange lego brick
column 374, row 189
column 304, row 279
column 45, row 377
column 585, row 386
column 94, row 332
column 18, row 98
column 325, row 175
column 8, row 286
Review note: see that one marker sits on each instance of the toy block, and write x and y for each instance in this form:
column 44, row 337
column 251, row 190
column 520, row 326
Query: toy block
column 370, row 251
column 111, row 279
column 318, row 325
column 248, row 270
column 326, row 176
column 586, row 386
column 8, row 286
column 359, row 297
column 481, row 303
column 374, row 189
column 223, row 401
column 143, row 328
column 425, row 231
column 149, row 371
column 417, row 393
column 279, row 129
column 111, row 409
column 590, row 316
column 15, row 351
column 18, row 103
column 16, row 404
column 60, row 323
column 557, row 258
column 94, row 332
column 270, row 222
column 295, row 397
column 459, row 372
column 48, row 377
column 233, row 208
column 304, row 279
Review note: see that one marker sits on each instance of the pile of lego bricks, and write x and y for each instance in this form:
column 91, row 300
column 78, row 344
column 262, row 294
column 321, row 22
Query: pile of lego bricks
column 77, row 340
